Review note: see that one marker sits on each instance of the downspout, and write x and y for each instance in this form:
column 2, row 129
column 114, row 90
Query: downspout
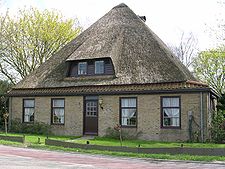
column 209, row 115
column 10, row 112
column 201, row 117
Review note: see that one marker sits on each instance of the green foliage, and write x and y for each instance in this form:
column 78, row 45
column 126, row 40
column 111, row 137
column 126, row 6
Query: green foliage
column 196, row 136
column 209, row 67
column 4, row 87
column 30, row 38
column 126, row 135
column 32, row 128
column 221, row 103
column 218, row 127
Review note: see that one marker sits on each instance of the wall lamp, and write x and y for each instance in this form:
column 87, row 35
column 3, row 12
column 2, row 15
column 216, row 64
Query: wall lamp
column 100, row 102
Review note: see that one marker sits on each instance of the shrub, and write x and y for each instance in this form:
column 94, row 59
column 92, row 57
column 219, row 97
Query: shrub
column 126, row 135
column 31, row 128
column 218, row 127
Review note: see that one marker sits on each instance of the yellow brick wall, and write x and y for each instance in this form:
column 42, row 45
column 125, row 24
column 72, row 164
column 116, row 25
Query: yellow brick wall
column 73, row 113
column 148, row 116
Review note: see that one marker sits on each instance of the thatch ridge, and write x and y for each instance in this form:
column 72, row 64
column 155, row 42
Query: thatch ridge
column 137, row 53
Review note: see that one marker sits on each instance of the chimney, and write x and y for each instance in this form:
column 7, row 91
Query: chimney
column 143, row 18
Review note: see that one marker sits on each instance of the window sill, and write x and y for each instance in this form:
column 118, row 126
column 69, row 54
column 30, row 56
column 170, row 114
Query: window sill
column 170, row 127
column 129, row 126
column 32, row 122
column 89, row 77
column 58, row 124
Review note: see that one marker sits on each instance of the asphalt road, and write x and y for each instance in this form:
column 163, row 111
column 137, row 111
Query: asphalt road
column 24, row 158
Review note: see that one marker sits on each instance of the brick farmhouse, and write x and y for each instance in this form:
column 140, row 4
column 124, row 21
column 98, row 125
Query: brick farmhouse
column 115, row 72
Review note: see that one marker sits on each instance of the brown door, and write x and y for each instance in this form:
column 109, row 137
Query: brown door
column 91, row 115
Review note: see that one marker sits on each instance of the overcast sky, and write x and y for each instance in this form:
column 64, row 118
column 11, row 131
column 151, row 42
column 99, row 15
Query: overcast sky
column 167, row 18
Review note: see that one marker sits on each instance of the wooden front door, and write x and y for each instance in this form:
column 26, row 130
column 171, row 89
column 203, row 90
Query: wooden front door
column 91, row 115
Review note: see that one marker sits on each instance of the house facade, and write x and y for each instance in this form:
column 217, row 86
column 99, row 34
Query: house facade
column 115, row 72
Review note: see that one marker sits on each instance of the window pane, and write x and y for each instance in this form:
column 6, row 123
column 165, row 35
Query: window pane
column 129, row 113
column 171, row 112
column 28, row 103
column 129, row 117
column 128, row 102
column 58, row 115
column 58, row 103
column 171, row 117
column 82, row 68
column 28, row 114
column 99, row 67
column 58, row 111
column 171, row 102
column 174, row 122
column 91, row 108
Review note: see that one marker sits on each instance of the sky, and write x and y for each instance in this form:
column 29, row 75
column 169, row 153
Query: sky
column 167, row 18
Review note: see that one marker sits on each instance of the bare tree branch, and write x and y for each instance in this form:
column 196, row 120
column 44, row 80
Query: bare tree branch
column 186, row 50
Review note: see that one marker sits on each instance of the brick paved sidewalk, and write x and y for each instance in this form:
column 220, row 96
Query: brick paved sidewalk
column 14, row 157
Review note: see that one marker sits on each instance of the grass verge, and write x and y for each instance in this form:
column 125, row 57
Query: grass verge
column 32, row 142
column 135, row 155
column 147, row 144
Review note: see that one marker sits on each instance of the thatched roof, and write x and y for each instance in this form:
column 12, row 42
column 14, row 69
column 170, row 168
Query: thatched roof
column 138, row 55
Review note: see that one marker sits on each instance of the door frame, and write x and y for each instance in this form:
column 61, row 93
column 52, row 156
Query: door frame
column 84, row 112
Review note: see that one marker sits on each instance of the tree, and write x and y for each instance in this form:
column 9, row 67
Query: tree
column 218, row 127
column 4, row 87
column 209, row 67
column 186, row 50
column 221, row 103
column 30, row 39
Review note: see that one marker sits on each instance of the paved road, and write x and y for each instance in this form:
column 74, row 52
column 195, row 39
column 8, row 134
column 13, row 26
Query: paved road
column 23, row 158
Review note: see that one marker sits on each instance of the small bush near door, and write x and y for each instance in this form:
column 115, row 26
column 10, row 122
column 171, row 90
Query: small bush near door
column 31, row 128
column 112, row 133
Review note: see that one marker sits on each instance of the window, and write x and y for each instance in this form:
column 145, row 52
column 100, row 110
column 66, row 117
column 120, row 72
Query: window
column 82, row 68
column 128, row 111
column 170, row 112
column 28, row 110
column 90, row 67
column 91, row 108
column 58, row 108
column 99, row 67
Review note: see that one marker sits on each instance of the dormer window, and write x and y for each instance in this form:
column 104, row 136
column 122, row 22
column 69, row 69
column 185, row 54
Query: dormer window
column 90, row 67
column 99, row 67
column 82, row 68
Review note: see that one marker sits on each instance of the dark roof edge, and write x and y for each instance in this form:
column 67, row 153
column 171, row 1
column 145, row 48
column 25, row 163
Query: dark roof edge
column 175, row 91
column 115, row 85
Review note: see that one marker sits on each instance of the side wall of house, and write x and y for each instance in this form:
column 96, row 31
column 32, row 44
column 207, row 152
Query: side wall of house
column 148, row 115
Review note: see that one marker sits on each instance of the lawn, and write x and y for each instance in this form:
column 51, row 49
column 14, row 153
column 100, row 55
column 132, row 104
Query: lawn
column 33, row 138
column 146, row 144
column 31, row 141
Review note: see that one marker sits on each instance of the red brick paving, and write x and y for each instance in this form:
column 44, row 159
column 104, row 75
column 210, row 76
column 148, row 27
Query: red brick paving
column 99, row 161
